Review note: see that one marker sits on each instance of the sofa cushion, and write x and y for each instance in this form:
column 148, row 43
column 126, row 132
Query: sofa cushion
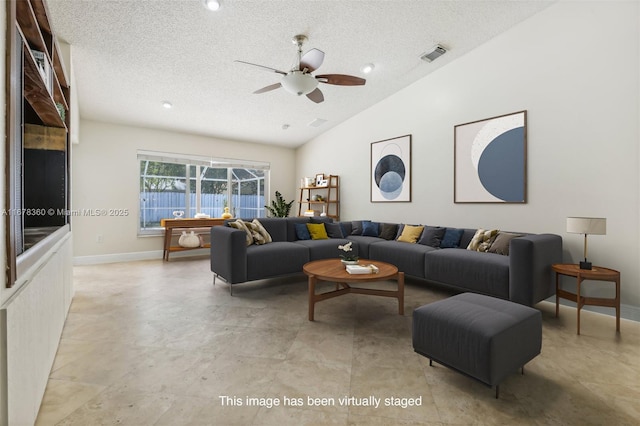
column 388, row 231
column 334, row 230
column 302, row 232
column 291, row 227
column 432, row 236
column 502, row 242
column 485, row 273
column 482, row 239
column 409, row 258
column 357, row 227
column 326, row 249
column 370, row 229
column 410, row 234
column 451, row 238
column 317, row 231
column 276, row 227
column 267, row 260
column 262, row 231
column 363, row 244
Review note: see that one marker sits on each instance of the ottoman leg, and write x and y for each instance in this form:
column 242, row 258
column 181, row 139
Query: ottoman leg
column 430, row 362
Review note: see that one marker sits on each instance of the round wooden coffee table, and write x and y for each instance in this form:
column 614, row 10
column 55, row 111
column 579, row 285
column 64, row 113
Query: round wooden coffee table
column 333, row 270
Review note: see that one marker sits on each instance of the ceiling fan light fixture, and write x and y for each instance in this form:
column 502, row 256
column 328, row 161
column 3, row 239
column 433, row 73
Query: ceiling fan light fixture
column 212, row 5
column 298, row 83
column 367, row 68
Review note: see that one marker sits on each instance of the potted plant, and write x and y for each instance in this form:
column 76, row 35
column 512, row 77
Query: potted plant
column 279, row 207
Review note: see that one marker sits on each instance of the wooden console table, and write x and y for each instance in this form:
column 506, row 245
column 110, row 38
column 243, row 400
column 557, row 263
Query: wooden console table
column 184, row 224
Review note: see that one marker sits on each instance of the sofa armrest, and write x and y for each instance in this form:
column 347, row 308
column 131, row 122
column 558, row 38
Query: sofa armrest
column 229, row 253
column 530, row 273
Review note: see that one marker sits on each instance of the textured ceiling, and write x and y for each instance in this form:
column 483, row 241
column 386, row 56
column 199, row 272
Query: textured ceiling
column 131, row 55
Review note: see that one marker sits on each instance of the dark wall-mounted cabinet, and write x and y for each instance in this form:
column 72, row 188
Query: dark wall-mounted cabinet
column 37, row 145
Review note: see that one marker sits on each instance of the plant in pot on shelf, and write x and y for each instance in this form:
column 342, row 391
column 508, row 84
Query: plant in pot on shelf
column 348, row 258
column 279, row 207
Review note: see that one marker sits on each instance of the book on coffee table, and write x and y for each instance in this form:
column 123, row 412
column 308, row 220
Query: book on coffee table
column 362, row 269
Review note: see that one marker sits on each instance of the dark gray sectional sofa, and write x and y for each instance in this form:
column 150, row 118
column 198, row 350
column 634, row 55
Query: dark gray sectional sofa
column 524, row 276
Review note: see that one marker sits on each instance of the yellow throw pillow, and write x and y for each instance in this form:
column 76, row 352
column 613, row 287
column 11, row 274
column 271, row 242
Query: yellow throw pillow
column 317, row 231
column 410, row 234
column 239, row 224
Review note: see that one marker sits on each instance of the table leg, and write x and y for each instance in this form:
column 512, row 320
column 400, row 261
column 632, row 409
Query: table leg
column 557, row 297
column 167, row 243
column 618, row 304
column 578, row 303
column 312, row 293
column 401, row 293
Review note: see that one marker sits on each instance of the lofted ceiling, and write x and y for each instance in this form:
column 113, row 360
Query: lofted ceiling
column 131, row 55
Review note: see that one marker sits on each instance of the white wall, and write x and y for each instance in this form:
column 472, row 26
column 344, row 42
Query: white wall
column 105, row 175
column 575, row 68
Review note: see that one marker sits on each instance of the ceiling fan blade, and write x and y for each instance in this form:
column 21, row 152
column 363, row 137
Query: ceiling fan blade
column 263, row 67
column 268, row 88
column 341, row 79
column 312, row 60
column 316, row 96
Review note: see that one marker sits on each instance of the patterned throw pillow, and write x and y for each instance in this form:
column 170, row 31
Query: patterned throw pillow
column 263, row 232
column 258, row 239
column 482, row 240
column 239, row 224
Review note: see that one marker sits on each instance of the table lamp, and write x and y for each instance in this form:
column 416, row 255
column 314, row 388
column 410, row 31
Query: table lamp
column 586, row 226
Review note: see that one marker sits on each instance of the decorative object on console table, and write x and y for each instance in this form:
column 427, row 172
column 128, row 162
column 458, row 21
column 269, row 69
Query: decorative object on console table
column 226, row 214
column 391, row 170
column 490, row 160
column 586, row 226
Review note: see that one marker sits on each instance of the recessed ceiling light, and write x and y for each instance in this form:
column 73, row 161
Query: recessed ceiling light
column 167, row 104
column 212, row 4
column 367, row 68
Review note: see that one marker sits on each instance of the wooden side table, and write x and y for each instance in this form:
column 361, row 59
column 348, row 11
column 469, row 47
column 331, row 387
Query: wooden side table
column 598, row 273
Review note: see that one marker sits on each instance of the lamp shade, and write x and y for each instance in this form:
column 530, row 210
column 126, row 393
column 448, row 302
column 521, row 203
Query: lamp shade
column 587, row 225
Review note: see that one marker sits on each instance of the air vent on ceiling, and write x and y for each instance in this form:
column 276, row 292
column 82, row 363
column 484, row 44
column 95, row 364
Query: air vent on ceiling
column 317, row 122
column 434, row 53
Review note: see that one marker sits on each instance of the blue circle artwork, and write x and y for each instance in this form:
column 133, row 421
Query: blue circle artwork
column 389, row 176
column 501, row 166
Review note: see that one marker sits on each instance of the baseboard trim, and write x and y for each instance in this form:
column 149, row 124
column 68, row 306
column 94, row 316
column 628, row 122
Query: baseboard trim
column 133, row 257
column 629, row 312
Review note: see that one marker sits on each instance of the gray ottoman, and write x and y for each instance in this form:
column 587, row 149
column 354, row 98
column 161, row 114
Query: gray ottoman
column 480, row 336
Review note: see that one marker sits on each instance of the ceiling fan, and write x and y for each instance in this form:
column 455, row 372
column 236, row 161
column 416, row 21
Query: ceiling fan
column 300, row 81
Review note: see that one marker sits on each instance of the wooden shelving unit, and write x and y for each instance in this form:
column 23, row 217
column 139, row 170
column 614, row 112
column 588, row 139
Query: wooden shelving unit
column 330, row 194
column 37, row 122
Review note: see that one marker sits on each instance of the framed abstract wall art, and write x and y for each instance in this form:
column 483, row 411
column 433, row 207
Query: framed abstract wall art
column 391, row 170
column 490, row 160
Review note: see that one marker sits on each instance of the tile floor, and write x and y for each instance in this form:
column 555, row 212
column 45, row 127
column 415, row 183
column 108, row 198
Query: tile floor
column 154, row 343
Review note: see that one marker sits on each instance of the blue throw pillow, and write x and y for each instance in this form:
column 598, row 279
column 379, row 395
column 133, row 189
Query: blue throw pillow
column 451, row 238
column 370, row 229
column 302, row 232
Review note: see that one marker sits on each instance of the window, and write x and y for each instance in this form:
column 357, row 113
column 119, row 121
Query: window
column 190, row 184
